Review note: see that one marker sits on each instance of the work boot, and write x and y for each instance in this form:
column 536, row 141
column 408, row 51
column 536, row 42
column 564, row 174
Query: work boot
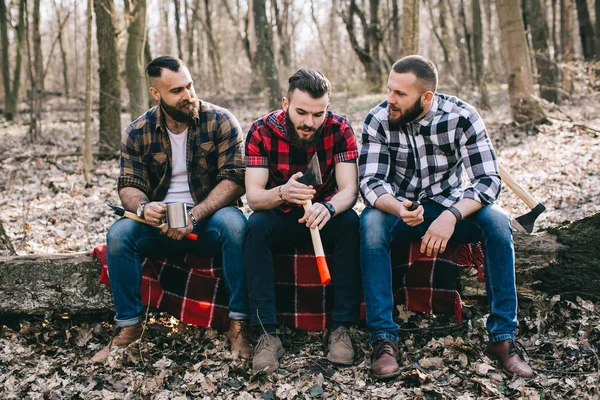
column 123, row 338
column 238, row 337
column 511, row 357
column 384, row 359
column 340, row 347
column 267, row 353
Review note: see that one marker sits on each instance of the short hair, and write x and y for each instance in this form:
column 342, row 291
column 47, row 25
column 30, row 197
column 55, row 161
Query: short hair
column 310, row 81
column 424, row 70
column 155, row 67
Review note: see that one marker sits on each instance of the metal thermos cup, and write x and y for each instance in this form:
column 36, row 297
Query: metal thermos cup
column 177, row 215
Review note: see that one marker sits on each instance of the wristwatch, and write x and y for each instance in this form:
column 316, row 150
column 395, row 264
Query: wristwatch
column 329, row 208
column 140, row 209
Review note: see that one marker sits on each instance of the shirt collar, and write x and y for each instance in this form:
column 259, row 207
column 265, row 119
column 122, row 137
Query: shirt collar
column 428, row 118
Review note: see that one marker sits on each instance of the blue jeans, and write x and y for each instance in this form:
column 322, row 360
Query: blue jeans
column 128, row 241
column 380, row 231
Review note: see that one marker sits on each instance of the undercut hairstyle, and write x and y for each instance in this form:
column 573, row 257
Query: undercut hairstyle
column 310, row 81
column 155, row 67
column 424, row 70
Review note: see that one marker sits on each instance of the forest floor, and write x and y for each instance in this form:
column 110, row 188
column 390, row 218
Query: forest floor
column 46, row 207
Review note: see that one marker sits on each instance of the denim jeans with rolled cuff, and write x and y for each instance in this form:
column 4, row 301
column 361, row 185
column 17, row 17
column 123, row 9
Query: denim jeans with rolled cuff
column 128, row 241
column 380, row 232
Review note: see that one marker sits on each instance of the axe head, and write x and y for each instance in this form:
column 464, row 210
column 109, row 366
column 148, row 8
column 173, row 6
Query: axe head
column 118, row 210
column 526, row 222
column 312, row 176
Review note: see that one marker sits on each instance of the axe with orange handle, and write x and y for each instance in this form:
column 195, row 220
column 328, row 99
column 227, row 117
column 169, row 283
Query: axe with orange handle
column 312, row 176
column 128, row 214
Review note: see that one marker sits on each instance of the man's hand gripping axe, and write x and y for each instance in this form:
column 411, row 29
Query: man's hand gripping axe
column 312, row 176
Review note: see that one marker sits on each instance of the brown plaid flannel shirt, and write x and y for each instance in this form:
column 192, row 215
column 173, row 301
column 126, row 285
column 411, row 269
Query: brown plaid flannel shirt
column 214, row 153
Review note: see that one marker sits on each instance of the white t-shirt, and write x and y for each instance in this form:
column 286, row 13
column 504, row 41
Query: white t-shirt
column 179, row 191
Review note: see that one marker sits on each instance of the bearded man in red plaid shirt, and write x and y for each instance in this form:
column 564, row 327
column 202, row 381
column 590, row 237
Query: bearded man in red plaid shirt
column 279, row 147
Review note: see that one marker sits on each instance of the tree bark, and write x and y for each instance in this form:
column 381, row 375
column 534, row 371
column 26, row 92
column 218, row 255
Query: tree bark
column 11, row 90
column 462, row 58
column 87, row 135
column 410, row 29
column 63, row 53
column 484, row 101
column 597, row 12
column 214, row 52
column 264, row 46
column 548, row 73
column 520, row 80
column 566, row 42
column 110, row 84
column 178, row 28
column 282, row 22
column 6, row 246
column 586, row 30
column 467, row 35
column 134, row 59
column 38, row 70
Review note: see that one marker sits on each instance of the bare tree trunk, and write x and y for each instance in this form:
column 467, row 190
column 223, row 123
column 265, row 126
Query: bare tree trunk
column 586, row 30
column 33, row 123
column 38, row 70
column 463, row 21
column 110, row 85
column 189, row 25
column 548, row 73
column 264, row 46
column 213, row 48
column 566, row 42
column 368, row 53
column 555, row 26
column 462, row 57
column 11, row 90
column 442, row 37
column 410, row 29
column 63, row 53
column 87, row 138
column 396, row 52
column 520, row 80
column 178, row 29
column 282, row 20
column 484, row 101
column 597, row 12
column 134, row 59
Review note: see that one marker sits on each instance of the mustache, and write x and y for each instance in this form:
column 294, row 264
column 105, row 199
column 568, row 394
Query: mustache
column 306, row 128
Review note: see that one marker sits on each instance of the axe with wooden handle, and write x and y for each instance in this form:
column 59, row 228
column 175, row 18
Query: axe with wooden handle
column 312, row 176
column 525, row 222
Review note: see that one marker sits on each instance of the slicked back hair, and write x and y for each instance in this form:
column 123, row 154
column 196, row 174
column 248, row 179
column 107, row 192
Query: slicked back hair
column 155, row 67
column 424, row 70
column 310, row 81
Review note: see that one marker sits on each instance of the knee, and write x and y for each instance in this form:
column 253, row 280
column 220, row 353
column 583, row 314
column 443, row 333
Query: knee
column 232, row 222
column 495, row 222
column 349, row 220
column 259, row 224
column 119, row 235
column 372, row 227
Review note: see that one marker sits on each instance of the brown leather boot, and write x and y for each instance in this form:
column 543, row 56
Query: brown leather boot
column 384, row 359
column 510, row 355
column 123, row 338
column 238, row 336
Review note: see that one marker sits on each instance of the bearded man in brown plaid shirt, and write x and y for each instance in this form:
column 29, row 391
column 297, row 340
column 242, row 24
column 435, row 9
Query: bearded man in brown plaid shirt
column 279, row 147
column 182, row 150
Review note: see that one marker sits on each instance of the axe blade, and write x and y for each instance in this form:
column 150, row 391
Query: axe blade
column 526, row 222
column 312, row 176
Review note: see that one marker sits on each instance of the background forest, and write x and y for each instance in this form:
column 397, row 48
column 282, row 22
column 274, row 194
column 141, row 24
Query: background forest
column 73, row 78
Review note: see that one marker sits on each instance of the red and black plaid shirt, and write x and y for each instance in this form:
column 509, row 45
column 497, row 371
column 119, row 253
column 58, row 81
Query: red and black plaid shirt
column 268, row 146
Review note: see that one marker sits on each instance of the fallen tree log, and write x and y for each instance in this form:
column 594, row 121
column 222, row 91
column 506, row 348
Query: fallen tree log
column 562, row 260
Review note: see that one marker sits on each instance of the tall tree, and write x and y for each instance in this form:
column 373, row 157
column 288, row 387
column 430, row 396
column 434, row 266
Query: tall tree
column 566, row 42
column 281, row 11
column 214, row 52
column 484, row 101
column 410, row 27
column 110, row 85
column 597, row 12
column 368, row 52
column 586, row 30
column 11, row 96
column 462, row 57
column 520, row 80
column 264, row 46
column 134, row 57
column 548, row 73
column 87, row 137
column 463, row 20
column 178, row 28
column 244, row 21
column 38, row 68
column 63, row 53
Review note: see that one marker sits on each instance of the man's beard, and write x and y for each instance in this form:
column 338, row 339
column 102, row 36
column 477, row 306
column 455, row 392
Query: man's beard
column 178, row 113
column 296, row 140
column 407, row 116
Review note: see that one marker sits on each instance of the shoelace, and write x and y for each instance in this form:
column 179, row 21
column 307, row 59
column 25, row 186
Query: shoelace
column 382, row 346
column 342, row 335
column 244, row 331
column 262, row 343
column 515, row 347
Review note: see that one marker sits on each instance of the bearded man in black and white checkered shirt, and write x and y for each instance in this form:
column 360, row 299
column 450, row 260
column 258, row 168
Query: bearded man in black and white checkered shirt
column 416, row 147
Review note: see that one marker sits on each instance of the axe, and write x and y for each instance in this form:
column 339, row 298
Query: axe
column 312, row 176
column 525, row 222
column 123, row 213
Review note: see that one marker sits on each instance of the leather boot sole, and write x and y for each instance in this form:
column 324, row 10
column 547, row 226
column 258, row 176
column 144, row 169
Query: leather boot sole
column 386, row 376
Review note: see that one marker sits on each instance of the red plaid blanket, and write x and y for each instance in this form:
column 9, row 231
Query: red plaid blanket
column 189, row 287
